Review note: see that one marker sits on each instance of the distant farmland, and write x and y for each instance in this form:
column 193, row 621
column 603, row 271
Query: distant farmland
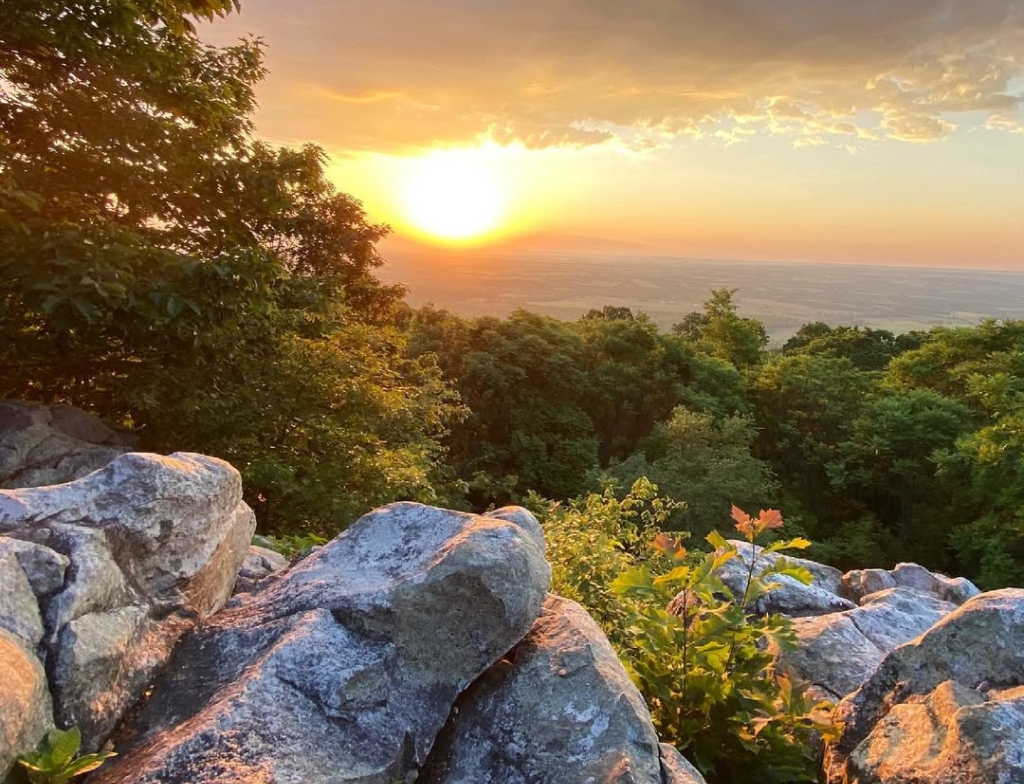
column 783, row 296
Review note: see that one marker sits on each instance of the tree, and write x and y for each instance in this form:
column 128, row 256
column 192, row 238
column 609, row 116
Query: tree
column 704, row 463
column 868, row 349
column 161, row 267
column 721, row 332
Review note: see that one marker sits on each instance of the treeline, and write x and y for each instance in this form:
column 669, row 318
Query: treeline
column 163, row 268
column 879, row 447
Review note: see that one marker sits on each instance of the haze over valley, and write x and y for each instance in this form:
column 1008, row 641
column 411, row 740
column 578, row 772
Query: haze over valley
column 782, row 296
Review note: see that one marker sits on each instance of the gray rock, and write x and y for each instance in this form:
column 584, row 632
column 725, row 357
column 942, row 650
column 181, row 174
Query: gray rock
column 94, row 584
column 346, row 667
column 44, row 568
column 19, row 611
column 791, row 597
column 260, row 563
column 978, row 647
column 675, row 769
column 125, row 560
column 911, row 575
column 25, row 708
column 956, row 589
column 955, row 736
column 48, row 445
column 164, row 517
column 562, row 710
column 839, row 651
column 90, row 654
column 897, row 615
column 864, row 582
column 832, row 653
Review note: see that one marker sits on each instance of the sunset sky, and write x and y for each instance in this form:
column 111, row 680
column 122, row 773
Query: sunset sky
column 877, row 131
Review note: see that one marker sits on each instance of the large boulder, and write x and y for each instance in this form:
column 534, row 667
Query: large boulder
column 115, row 567
column 790, row 596
column 837, row 652
column 863, row 582
column 946, row 707
column 26, row 713
column 345, row 668
column 49, row 445
column 560, row 709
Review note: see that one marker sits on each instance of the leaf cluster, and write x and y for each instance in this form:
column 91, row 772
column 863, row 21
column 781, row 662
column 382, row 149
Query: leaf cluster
column 58, row 761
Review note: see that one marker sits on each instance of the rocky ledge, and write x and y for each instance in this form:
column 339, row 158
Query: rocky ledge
column 422, row 644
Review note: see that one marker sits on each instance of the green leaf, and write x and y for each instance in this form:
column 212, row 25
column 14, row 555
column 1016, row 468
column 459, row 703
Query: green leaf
column 64, row 745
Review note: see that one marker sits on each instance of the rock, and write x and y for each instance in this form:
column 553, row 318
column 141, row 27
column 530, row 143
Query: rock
column 44, row 568
column 864, row 582
column 892, row 617
column 48, row 445
column 839, row 651
column 832, row 654
column 19, row 611
column 122, row 562
column 910, row 575
column 675, row 769
column 955, row 736
column 978, row 647
column 345, row 668
column 791, row 597
column 25, row 709
column 165, row 518
column 260, row 562
column 562, row 710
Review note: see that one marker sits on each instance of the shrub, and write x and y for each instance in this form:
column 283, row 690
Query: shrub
column 705, row 672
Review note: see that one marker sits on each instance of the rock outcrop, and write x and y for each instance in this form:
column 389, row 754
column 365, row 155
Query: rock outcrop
column 561, row 709
column 101, row 576
column 26, row 712
column 839, row 651
column 346, row 667
column 864, row 582
column 945, row 708
column 791, row 597
column 49, row 445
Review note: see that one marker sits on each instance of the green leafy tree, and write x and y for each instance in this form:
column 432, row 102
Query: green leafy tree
column 703, row 463
column 164, row 269
column 723, row 333
column 892, row 466
column 867, row 349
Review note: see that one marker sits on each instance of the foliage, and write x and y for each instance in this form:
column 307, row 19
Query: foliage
column 58, row 760
column 706, row 670
column 163, row 269
column 593, row 539
column 290, row 545
column 702, row 462
column 721, row 332
column 706, row 673
column 867, row 349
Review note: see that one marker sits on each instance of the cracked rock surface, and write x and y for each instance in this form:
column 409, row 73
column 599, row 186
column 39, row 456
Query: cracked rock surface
column 100, row 577
column 345, row 667
column 561, row 710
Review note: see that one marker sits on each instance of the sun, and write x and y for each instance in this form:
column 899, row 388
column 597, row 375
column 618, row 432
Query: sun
column 453, row 196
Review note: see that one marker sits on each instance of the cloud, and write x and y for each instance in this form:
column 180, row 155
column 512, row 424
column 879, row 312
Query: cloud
column 395, row 74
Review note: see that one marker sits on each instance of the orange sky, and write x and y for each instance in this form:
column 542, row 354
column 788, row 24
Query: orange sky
column 870, row 131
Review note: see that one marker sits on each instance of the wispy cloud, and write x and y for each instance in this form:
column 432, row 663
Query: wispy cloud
column 406, row 73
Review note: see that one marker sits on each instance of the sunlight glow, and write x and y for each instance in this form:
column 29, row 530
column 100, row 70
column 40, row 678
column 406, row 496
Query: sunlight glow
column 454, row 195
